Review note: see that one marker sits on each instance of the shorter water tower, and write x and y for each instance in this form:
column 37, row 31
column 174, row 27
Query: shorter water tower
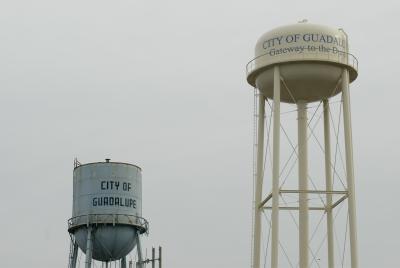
column 106, row 221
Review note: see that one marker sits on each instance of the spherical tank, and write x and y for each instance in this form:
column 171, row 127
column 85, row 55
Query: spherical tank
column 108, row 197
column 310, row 58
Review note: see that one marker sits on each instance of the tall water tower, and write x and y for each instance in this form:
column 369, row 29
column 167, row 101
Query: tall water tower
column 297, row 65
column 107, row 212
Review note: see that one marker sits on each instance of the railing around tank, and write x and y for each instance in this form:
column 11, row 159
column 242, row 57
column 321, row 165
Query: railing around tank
column 98, row 219
column 340, row 57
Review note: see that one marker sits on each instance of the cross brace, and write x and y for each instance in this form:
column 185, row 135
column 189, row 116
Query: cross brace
column 341, row 199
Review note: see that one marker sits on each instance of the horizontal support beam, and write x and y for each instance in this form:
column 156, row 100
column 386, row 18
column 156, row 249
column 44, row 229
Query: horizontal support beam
column 344, row 193
column 297, row 208
column 312, row 192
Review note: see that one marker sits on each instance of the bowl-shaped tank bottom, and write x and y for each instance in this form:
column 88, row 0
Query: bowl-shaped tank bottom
column 109, row 242
column 306, row 81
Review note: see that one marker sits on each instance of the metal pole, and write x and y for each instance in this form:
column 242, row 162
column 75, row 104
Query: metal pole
column 153, row 257
column 89, row 244
column 123, row 262
column 139, row 251
column 159, row 257
column 328, row 179
column 258, row 183
column 349, row 168
column 303, row 183
column 73, row 254
column 275, row 169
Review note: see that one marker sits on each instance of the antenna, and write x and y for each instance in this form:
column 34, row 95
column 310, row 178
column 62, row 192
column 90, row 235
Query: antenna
column 153, row 259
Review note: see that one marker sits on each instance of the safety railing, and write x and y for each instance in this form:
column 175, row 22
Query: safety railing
column 337, row 56
column 99, row 219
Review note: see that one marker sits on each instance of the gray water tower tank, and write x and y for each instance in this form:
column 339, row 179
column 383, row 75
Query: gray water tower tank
column 107, row 197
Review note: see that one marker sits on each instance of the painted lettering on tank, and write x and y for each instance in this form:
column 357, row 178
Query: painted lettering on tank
column 306, row 37
column 272, row 42
column 114, row 200
column 297, row 43
column 109, row 185
column 114, row 185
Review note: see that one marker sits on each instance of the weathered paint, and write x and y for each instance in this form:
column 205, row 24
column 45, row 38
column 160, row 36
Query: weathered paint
column 107, row 197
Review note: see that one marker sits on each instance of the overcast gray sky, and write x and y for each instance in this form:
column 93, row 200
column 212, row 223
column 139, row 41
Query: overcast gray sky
column 162, row 85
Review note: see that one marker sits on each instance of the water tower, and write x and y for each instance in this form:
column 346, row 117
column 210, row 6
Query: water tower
column 297, row 65
column 107, row 212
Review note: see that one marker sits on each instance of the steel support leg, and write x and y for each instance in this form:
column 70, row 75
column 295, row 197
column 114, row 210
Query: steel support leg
column 123, row 262
column 303, row 183
column 153, row 257
column 328, row 182
column 73, row 254
column 349, row 168
column 89, row 248
column 139, row 251
column 258, row 183
column 159, row 257
column 275, row 169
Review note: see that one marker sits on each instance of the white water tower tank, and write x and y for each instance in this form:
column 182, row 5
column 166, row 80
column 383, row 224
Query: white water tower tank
column 107, row 199
column 311, row 58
